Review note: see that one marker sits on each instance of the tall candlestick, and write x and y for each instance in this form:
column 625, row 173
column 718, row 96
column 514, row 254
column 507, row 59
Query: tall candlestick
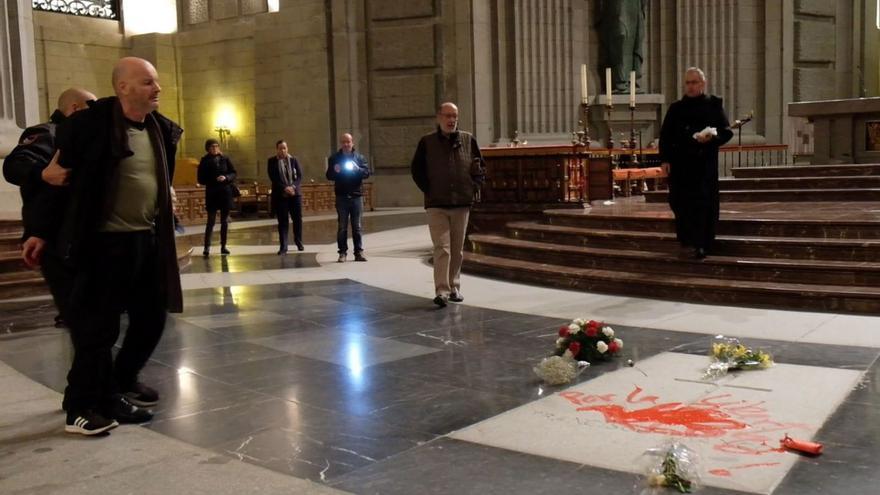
column 632, row 89
column 584, row 93
column 608, row 86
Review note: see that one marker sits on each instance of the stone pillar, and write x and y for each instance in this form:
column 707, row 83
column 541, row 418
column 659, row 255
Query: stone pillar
column 348, row 58
column 19, row 104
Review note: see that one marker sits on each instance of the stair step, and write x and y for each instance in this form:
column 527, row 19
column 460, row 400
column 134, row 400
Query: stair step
column 862, row 169
column 867, row 250
column 786, row 195
column 791, row 183
column 840, row 298
column 765, row 227
column 725, row 267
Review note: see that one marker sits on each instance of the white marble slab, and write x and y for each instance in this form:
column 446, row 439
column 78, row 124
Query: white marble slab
column 735, row 424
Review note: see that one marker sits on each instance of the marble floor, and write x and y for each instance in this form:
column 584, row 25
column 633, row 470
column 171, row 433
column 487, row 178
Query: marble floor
column 298, row 374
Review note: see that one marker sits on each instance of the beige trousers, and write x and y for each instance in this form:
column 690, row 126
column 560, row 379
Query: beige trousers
column 448, row 227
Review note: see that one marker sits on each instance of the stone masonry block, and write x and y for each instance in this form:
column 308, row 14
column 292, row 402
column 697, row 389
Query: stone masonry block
column 384, row 10
column 403, row 47
column 814, row 41
column 813, row 84
column 403, row 96
column 816, row 7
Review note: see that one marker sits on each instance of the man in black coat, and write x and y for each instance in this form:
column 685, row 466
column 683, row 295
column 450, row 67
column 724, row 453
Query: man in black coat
column 118, row 236
column 217, row 174
column 43, row 204
column 347, row 169
column 693, row 130
column 286, row 175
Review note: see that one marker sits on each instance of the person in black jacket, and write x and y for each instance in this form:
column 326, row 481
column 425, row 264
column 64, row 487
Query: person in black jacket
column 217, row 174
column 43, row 203
column 286, row 175
column 448, row 168
column 693, row 130
column 347, row 169
column 118, row 237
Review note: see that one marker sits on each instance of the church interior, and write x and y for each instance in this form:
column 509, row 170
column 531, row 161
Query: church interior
column 294, row 372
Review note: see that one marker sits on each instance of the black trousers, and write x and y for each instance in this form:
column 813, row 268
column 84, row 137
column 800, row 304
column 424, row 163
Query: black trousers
column 59, row 278
column 122, row 274
column 224, row 226
column 289, row 207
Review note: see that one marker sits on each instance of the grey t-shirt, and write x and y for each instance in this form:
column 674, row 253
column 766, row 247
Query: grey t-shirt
column 137, row 191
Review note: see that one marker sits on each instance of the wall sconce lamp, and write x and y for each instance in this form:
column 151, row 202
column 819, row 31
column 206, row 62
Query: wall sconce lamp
column 224, row 133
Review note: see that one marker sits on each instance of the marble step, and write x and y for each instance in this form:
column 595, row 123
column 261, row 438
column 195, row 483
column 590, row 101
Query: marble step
column 809, row 171
column 23, row 283
column 10, row 241
column 783, row 195
column 10, row 261
column 820, row 228
column 836, row 298
column 682, row 263
column 803, row 248
column 788, row 183
column 10, row 226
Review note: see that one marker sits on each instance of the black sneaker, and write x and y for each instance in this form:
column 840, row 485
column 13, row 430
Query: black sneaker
column 141, row 395
column 89, row 423
column 456, row 297
column 359, row 257
column 440, row 301
column 224, row 251
column 127, row 413
column 206, row 252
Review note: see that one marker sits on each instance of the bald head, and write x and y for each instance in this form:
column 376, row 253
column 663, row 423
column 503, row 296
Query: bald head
column 73, row 100
column 136, row 83
column 346, row 143
column 447, row 117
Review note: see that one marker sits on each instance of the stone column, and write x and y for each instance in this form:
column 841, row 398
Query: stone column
column 19, row 104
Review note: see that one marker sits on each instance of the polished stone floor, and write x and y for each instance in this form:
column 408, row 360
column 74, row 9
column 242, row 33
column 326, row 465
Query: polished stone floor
column 346, row 375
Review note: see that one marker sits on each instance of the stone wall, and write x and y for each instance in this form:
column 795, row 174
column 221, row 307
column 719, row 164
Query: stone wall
column 74, row 51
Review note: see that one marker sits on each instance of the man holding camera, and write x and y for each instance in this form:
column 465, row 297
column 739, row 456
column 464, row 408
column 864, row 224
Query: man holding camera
column 347, row 169
column 448, row 168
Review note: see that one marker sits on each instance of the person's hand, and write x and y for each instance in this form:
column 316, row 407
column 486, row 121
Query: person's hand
column 666, row 167
column 54, row 173
column 32, row 251
column 337, row 168
column 221, row 178
column 704, row 138
column 289, row 191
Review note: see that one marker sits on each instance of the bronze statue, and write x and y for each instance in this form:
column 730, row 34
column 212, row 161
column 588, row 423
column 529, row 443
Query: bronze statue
column 622, row 32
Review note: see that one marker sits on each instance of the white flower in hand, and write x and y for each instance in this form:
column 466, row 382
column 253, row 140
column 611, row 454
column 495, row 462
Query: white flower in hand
column 619, row 343
column 608, row 331
column 602, row 347
column 574, row 328
column 579, row 322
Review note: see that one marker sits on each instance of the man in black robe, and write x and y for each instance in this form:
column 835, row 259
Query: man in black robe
column 693, row 130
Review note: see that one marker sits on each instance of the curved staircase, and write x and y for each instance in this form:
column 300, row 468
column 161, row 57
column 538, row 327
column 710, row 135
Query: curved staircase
column 819, row 256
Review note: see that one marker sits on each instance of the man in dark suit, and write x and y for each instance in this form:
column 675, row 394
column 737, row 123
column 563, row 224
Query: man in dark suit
column 286, row 175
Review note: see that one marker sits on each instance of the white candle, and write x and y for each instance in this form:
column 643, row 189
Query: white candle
column 609, row 102
column 584, row 94
column 632, row 89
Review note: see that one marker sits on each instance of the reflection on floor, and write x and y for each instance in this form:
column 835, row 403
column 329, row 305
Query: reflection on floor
column 375, row 391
